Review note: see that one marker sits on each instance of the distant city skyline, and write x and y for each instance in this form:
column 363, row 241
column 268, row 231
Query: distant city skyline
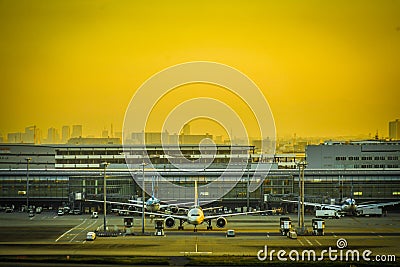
column 65, row 132
column 325, row 68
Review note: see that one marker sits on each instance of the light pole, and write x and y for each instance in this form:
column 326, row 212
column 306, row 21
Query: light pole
column 247, row 188
column 143, row 196
column 302, row 165
column 27, row 182
column 104, row 165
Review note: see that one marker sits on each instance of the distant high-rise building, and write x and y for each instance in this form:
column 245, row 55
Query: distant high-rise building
column 53, row 137
column 66, row 134
column 394, row 130
column 14, row 137
column 76, row 131
column 30, row 135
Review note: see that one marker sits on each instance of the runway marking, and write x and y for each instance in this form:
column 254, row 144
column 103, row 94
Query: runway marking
column 82, row 231
column 376, row 234
column 300, row 242
column 334, row 234
column 61, row 236
column 319, row 243
column 197, row 251
column 308, row 241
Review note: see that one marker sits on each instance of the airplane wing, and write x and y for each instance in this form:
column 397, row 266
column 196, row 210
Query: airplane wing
column 187, row 204
column 318, row 205
column 176, row 204
column 135, row 201
column 377, row 205
column 181, row 217
column 115, row 202
column 128, row 204
column 213, row 208
column 233, row 214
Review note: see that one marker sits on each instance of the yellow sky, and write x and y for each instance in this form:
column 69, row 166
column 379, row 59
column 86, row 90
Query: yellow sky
column 325, row 67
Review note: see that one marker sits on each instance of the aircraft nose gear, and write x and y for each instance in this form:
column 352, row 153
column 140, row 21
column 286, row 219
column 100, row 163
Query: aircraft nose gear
column 209, row 226
column 180, row 227
column 195, row 229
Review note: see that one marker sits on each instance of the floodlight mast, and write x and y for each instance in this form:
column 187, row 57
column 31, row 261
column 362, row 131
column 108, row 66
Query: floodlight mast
column 105, row 165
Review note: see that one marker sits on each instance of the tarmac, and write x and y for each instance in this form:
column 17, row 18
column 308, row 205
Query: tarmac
column 48, row 236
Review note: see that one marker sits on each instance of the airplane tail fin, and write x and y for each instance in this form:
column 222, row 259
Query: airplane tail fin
column 196, row 194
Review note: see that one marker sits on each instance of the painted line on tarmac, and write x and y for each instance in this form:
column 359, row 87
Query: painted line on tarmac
column 319, row 243
column 300, row 242
column 61, row 236
column 195, row 252
column 82, row 231
column 376, row 234
column 308, row 241
column 334, row 234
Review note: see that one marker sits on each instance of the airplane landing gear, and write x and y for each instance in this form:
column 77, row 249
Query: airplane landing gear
column 180, row 227
column 209, row 226
column 195, row 229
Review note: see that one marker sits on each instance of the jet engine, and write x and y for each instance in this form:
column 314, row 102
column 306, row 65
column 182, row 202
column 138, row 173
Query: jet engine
column 174, row 209
column 169, row 222
column 221, row 222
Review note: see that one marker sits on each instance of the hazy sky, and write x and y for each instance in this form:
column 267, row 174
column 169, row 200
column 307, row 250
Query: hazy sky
column 325, row 67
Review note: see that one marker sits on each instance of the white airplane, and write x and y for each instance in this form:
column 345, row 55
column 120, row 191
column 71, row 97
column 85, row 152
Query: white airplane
column 152, row 204
column 348, row 205
column 195, row 216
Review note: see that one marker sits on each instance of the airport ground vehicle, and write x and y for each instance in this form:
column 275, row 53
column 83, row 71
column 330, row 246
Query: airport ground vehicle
column 95, row 215
column 370, row 212
column 31, row 213
column 90, row 236
column 285, row 225
column 318, row 226
column 327, row 214
column 230, row 233
column 60, row 212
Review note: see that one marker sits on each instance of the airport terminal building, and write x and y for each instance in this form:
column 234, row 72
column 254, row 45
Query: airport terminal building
column 59, row 175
